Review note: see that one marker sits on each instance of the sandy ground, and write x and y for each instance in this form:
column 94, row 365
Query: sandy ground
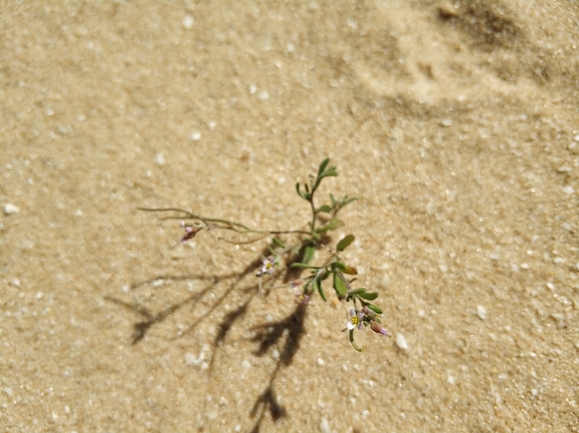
column 455, row 124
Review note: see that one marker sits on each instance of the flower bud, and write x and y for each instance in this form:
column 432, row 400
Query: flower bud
column 375, row 326
column 368, row 313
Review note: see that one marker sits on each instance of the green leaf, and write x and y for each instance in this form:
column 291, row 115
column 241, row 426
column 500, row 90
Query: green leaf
column 303, row 266
column 340, row 286
column 318, row 285
column 370, row 296
column 373, row 307
column 278, row 242
column 296, row 250
column 303, row 195
column 323, row 166
column 357, row 291
column 333, row 224
column 350, row 270
column 345, row 243
column 325, row 208
column 347, row 200
column 332, row 200
column 308, row 254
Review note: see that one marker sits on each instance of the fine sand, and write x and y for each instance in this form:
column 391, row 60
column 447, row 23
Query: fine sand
column 455, row 123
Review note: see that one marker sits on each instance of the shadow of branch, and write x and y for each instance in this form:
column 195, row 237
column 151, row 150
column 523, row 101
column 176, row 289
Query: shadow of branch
column 284, row 334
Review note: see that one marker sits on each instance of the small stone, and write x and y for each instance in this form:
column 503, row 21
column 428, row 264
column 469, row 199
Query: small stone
column 481, row 312
column 10, row 209
column 558, row 260
column 263, row 96
column 446, row 122
column 401, row 342
column 321, row 362
column 8, row 391
column 275, row 354
column 195, row 136
column 252, row 89
column 15, row 282
column 568, row 189
column 576, row 138
column 246, row 364
column 188, row 22
column 324, row 426
column 191, row 359
column 160, row 159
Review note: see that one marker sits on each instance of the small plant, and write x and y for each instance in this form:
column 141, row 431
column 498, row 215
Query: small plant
column 324, row 219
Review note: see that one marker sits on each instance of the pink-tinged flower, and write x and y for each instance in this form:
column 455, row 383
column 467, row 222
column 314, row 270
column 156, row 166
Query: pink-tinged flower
column 268, row 266
column 378, row 329
column 356, row 319
column 303, row 298
column 190, row 232
column 295, row 283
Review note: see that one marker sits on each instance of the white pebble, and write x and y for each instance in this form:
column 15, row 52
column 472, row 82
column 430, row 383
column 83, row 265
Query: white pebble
column 16, row 282
column 188, row 22
column 446, row 122
column 482, row 312
column 401, row 342
column 576, row 138
column 558, row 260
column 568, row 189
column 246, row 364
column 252, row 89
column 324, row 426
column 191, row 359
column 321, row 362
column 10, row 209
column 8, row 391
column 275, row 354
column 160, row 159
column 263, row 96
column 195, row 136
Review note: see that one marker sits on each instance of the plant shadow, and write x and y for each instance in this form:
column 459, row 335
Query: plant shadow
column 285, row 333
